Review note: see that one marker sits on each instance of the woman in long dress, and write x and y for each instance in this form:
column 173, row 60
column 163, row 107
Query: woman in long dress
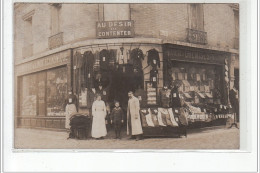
column 99, row 114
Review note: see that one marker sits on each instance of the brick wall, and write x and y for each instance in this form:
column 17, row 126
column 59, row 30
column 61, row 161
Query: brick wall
column 166, row 21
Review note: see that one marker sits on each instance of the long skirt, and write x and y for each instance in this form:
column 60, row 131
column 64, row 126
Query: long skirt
column 98, row 125
column 70, row 109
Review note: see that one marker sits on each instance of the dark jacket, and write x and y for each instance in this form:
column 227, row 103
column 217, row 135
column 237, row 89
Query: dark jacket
column 117, row 115
column 153, row 58
column 104, row 58
column 136, row 58
column 154, row 77
column 164, row 97
column 104, row 94
column 175, row 98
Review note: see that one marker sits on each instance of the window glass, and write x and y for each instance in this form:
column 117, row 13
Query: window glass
column 56, row 91
column 116, row 12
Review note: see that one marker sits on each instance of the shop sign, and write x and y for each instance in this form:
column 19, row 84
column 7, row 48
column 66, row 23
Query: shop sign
column 195, row 36
column 195, row 56
column 50, row 61
column 115, row 29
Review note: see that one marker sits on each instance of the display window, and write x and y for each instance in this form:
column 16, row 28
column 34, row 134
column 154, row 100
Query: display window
column 44, row 93
column 56, row 91
column 199, row 82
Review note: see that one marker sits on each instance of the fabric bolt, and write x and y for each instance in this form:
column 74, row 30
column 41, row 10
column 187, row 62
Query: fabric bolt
column 160, row 119
column 174, row 123
column 98, row 124
column 153, row 58
column 134, row 126
column 154, row 113
column 183, row 117
column 149, row 120
column 164, row 116
column 144, row 113
column 104, row 58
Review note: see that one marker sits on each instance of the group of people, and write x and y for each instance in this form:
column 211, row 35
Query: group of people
column 99, row 113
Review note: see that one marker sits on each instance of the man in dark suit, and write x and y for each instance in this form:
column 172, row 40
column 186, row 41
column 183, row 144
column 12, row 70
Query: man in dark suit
column 233, row 97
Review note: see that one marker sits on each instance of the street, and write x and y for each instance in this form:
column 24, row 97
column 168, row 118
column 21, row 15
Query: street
column 207, row 138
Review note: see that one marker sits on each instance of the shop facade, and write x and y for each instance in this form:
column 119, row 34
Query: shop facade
column 121, row 55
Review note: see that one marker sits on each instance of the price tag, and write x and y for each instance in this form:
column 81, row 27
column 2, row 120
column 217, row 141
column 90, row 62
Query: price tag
column 204, row 110
column 154, row 79
column 220, row 106
column 225, row 107
column 176, row 111
column 174, row 95
column 216, row 110
column 89, row 75
column 167, row 94
column 155, row 111
column 139, row 97
column 104, row 58
column 154, row 61
column 75, row 67
column 104, row 93
column 70, row 100
column 230, row 106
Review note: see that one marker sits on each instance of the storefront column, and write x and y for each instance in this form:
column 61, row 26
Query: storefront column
column 69, row 72
column 232, row 69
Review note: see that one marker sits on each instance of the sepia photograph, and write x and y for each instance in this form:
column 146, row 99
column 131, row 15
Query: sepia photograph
column 126, row 76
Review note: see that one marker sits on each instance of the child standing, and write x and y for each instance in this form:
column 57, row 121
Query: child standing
column 117, row 119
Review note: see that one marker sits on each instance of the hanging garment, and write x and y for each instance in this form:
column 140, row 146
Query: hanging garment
column 136, row 57
column 77, row 62
column 153, row 58
column 104, row 58
column 142, row 97
column 144, row 113
column 104, row 93
column 164, row 97
column 113, row 58
column 88, row 68
column 175, row 98
column 99, row 115
column 90, row 98
column 97, row 62
column 154, row 113
column 154, row 77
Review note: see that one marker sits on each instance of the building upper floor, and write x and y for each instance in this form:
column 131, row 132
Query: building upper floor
column 39, row 27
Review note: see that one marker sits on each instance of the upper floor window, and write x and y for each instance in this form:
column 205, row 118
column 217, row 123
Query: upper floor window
column 28, row 34
column 55, row 18
column 116, row 12
column 196, row 16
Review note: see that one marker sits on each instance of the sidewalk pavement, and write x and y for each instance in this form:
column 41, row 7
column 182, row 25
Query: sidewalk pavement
column 206, row 138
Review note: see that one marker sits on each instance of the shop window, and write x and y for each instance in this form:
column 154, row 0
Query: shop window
column 28, row 95
column 28, row 34
column 116, row 12
column 196, row 17
column 198, row 80
column 56, row 91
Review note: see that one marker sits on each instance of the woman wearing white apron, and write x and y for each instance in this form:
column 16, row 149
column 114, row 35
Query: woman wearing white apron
column 70, row 109
column 99, row 114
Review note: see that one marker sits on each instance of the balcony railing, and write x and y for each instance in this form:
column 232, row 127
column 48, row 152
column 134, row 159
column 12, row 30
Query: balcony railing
column 28, row 51
column 56, row 40
column 236, row 43
column 196, row 36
